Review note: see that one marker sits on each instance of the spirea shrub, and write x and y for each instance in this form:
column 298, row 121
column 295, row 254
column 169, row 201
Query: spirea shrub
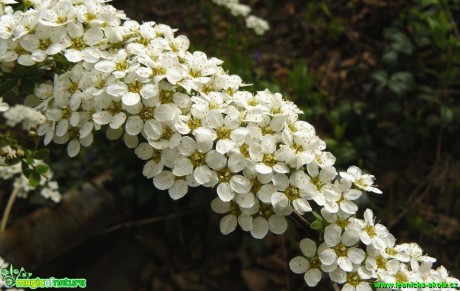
column 93, row 69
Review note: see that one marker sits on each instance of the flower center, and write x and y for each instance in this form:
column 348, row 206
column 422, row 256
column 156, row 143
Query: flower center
column 400, row 277
column 341, row 250
column 256, row 185
column 193, row 123
column 159, row 71
column 269, row 160
column 166, row 97
column 224, row 175
column 135, row 86
column 370, row 230
column 121, row 66
column 44, row 44
column 342, row 222
column 66, row 112
column 353, row 279
column 315, row 262
column 266, row 210
column 381, row 262
column 74, row 132
column 73, row 87
column 267, row 130
column 292, row 193
column 198, row 158
column 244, row 150
column 391, row 251
column 234, row 208
column 317, row 182
column 195, row 73
column 78, row 44
column 223, row 132
column 115, row 108
column 146, row 113
column 298, row 148
column 167, row 133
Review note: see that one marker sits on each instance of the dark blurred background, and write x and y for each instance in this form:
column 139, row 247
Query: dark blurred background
column 379, row 79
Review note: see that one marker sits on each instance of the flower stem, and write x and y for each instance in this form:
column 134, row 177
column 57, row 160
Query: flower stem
column 303, row 223
column 8, row 208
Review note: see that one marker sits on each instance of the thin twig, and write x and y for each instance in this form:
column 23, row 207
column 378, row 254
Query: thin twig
column 302, row 222
column 151, row 220
column 8, row 208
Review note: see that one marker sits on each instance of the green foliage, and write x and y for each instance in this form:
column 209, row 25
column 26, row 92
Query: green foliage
column 418, row 73
column 14, row 153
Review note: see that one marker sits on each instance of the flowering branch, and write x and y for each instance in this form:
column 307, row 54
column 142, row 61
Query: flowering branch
column 194, row 125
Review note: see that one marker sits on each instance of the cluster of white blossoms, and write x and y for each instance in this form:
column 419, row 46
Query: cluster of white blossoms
column 193, row 125
column 357, row 253
column 259, row 25
column 26, row 116
column 48, row 187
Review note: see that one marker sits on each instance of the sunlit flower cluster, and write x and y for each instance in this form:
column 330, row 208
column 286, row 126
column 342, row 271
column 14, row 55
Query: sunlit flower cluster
column 194, row 125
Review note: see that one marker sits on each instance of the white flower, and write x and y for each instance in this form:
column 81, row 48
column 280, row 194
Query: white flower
column 357, row 280
column 75, row 138
column 235, row 215
column 268, row 219
column 59, row 14
column 397, row 272
column 119, row 65
column 309, row 263
column 360, row 180
column 177, row 188
column 340, row 248
column 340, row 196
column 370, row 233
column 299, row 148
column 24, row 115
column 292, row 191
column 340, row 218
column 259, row 25
column 263, row 154
column 194, row 159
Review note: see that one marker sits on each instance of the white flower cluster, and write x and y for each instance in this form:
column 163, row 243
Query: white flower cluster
column 259, row 25
column 194, row 126
column 49, row 188
column 358, row 252
column 24, row 115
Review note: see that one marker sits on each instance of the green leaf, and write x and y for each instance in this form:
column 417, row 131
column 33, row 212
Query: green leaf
column 30, row 74
column 28, row 86
column 27, row 172
column 41, row 154
column 317, row 225
column 317, row 215
column 24, row 166
column 41, row 169
column 7, row 86
column 34, row 179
